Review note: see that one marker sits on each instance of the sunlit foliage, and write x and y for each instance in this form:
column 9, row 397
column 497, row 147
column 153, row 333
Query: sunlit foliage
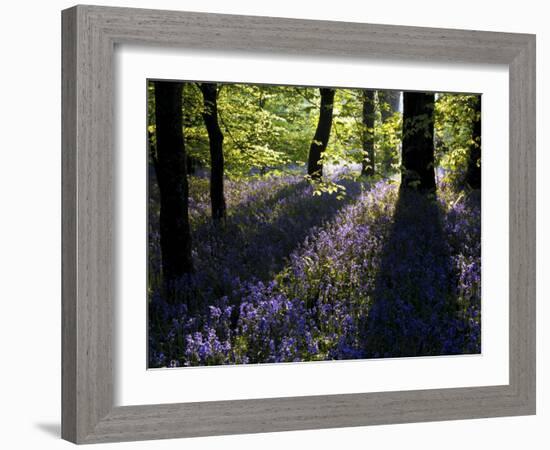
column 454, row 118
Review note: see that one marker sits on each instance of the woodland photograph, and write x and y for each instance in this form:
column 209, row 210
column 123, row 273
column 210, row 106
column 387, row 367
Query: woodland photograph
column 294, row 224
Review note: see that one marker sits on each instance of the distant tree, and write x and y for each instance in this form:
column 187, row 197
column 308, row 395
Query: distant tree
column 389, row 103
column 191, row 169
column 322, row 134
column 368, row 133
column 418, row 141
column 456, row 117
column 171, row 172
column 473, row 173
column 215, row 137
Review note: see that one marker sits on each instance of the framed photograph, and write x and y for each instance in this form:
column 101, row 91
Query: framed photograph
column 279, row 224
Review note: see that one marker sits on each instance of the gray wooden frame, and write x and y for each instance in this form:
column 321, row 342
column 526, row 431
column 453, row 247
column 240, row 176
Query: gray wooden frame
column 89, row 36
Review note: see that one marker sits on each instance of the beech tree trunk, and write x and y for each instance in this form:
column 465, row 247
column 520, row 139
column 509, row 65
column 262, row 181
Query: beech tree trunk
column 418, row 146
column 368, row 133
column 322, row 134
column 215, row 138
column 171, row 171
column 473, row 174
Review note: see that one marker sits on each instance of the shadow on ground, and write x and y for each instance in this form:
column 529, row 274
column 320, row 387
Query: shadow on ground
column 257, row 238
column 414, row 298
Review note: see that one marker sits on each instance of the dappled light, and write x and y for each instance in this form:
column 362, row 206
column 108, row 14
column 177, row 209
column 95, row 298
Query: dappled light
column 293, row 224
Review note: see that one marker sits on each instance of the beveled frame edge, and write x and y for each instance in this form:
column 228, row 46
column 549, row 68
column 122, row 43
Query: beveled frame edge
column 89, row 34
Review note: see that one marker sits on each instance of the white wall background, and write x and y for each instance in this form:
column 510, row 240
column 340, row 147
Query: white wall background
column 30, row 222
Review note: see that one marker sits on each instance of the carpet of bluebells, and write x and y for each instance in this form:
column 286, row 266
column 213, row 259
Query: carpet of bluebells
column 291, row 276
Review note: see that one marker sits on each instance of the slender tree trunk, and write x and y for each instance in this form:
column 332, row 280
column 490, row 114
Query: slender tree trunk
column 368, row 133
column 215, row 137
column 418, row 147
column 190, row 165
column 389, row 101
column 322, row 134
column 171, row 171
column 473, row 174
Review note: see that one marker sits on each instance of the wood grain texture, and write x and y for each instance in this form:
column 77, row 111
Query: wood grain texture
column 68, row 225
column 89, row 36
column 523, row 224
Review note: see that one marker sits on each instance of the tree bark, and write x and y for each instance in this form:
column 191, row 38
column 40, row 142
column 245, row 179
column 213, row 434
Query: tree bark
column 322, row 134
column 418, row 147
column 473, row 174
column 215, row 137
column 171, row 171
column 368, row 133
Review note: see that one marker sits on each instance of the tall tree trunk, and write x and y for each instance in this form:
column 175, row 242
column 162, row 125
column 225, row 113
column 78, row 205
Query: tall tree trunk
column 322, row 134
column 418, row 146
column 215, row 137
column 389, row 103
column 473, row 174
column 368, row 133
column 171, row 171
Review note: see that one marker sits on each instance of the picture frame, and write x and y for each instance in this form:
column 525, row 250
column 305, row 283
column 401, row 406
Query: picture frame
column 89, row 37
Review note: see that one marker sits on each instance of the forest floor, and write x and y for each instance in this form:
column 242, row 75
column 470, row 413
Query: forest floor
column 292, row 276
